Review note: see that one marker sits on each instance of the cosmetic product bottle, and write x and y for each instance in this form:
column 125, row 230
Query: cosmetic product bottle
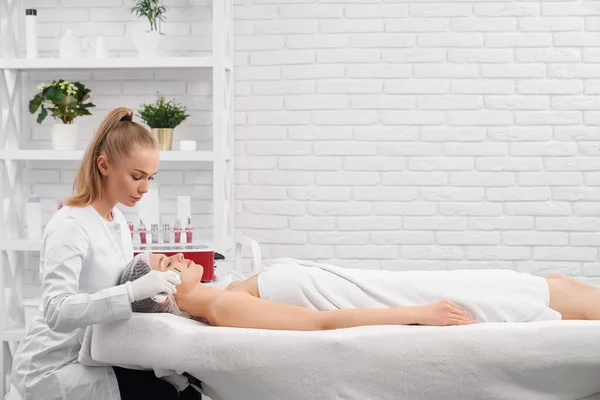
column 130, row 225
column 177, row 229
column 142, row 230
column 154, row 233
column 31, row 39
column 189, row 231
column 166, row 233
column 33, row 215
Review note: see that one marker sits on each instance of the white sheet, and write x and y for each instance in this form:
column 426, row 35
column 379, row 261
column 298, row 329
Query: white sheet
column 537, row 360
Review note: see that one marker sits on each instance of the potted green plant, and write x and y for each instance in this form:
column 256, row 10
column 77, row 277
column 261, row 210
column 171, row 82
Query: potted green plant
column 149, row 42
column 162, row 117
column 64, row 101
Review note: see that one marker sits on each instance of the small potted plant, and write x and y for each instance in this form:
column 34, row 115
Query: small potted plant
column 149, row 42
column 65, row 101
column 162, row 117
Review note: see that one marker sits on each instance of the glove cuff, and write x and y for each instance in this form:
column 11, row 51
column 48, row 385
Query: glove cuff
column 129, row 287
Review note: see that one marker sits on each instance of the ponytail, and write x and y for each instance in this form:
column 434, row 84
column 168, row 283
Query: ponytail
column 115, row 137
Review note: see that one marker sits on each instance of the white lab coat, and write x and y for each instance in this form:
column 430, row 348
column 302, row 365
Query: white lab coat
column 81, row 260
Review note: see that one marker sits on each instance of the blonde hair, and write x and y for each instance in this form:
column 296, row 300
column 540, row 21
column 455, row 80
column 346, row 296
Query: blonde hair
column 115, row 137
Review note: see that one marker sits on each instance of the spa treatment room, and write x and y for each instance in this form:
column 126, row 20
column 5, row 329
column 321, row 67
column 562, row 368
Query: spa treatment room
column 299, row 200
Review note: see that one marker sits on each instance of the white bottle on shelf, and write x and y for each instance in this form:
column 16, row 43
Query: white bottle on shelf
column 70, row 46
column 101, row 48
column 31, row 45
column 33, row 218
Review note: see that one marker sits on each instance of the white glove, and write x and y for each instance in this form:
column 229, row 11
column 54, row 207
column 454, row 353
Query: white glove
column 153, row 283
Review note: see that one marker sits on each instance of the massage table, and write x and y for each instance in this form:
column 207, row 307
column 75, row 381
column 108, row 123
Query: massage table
column 549, row 360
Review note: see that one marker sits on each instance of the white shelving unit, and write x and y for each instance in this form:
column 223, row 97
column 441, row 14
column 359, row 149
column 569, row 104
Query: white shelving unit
column 108, row 63
column 13, row 158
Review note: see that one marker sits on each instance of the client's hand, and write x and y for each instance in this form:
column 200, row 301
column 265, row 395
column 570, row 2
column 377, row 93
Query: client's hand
column 443, row 313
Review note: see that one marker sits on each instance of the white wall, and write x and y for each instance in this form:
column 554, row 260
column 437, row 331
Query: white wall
column 421, row 134
column 381, row 134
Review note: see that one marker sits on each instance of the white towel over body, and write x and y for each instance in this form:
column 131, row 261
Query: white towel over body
column 492, row 295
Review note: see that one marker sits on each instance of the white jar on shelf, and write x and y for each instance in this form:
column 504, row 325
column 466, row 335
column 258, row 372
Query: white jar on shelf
column 70, row 46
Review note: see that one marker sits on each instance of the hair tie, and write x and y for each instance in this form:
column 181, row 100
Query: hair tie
column 126, row 117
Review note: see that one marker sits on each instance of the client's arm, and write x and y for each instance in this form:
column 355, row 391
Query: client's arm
column 242, row 310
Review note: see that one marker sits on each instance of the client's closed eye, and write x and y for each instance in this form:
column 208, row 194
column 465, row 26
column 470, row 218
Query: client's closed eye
column 165, row 263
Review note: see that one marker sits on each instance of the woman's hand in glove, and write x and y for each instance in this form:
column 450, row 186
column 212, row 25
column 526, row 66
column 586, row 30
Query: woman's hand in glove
column 153, row 283
column 443, row 313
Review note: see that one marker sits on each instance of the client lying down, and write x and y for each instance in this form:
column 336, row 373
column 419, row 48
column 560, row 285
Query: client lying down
column 301, row 295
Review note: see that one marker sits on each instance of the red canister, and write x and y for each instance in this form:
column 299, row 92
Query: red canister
column 204, row 257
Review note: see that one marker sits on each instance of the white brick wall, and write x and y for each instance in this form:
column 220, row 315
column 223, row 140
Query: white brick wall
column 421, row 134
column 376, row 134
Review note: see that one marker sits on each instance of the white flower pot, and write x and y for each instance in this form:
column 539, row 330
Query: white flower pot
column 148, row 43
column 64, row 136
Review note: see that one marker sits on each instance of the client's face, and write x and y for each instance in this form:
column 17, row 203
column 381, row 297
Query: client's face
column 191, row 273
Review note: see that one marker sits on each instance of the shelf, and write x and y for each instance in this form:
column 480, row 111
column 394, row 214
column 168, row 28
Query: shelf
column 77, row 155
column 14, row 334
column 25, row 64
column 36, row 245
column 21, row 245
